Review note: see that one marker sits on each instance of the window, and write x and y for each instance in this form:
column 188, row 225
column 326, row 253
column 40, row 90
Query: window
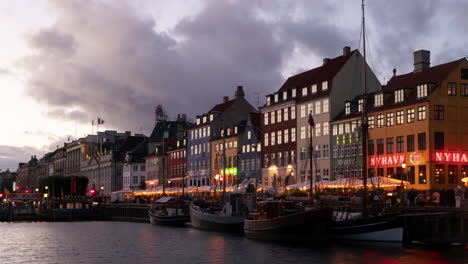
column 347, row 128
column 421, row 141
column 278, row 115
column 293, row 156
column 211, row 117
column 421, row 113
column 400, row 118
column 304, row 91
column 378, row 100
column 360, row 105
column 325, row 128
column 389, row 145
column 438, row 112
column 335, row 130
column 280, row 137
column 303, row 132
column 464, row 74
column 400, row 144
column 410, row 115
column 265, row 118
column 380, row 146
column 265, row 141
column 285, row 95
column 207, row 132
column 452, row 89
column 370, row 121
column 286, row 114
column 286, row 136
column 249, row 134
column 438, row 140
column 410, row 143
column 439, row 174
column 399, row 96
column 273, row 138
column 325, row 105
column 302, row 156
column 452, row 174
column 340, row 129
column 390, row 119
column 247, row 148
column 272, row 117
column 347, row 108
column 286, row 158
column 422, row 91
column 464, row 89
column 303, row 111
column 318, row 107
column 325, row 151
column 310, row 107
column 293, row 92
column 276, row 98
column 265, row 160
column 314, row 88
column 370, row 147
column 380, row 120
column 293, row 112
column 324, row 85
column 293, row 134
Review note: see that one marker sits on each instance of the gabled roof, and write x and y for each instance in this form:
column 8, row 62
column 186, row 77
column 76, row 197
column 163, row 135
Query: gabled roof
column 170, row 126
column 222, row 107
column 435, row 74
column 317, row 75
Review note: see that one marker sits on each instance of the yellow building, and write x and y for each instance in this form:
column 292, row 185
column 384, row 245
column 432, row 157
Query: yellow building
column 418, row 125
column 232, row 149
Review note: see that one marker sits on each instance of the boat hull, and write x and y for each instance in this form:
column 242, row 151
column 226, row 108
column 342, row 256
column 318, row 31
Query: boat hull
column 381, row 228
column 307, row 226
column 207, row 221
column 156, row 219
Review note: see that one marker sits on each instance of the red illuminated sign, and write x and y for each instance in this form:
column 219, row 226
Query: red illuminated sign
column 451, row 157
column 387, row 160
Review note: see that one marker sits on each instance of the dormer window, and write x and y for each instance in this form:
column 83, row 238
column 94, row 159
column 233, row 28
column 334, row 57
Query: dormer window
column 324, row 85
column 211, row 117
column 198, row 120
column 399, row 96
column 204, row 119
column 235, row 130
column 222, row 132
column 304, row 91
column 378, row 99
column 347, row 108
column 361, row 105
column 178, row 143
column 293, row 93
column 285, row 95
column 228, row 131
column 268, row 100
column 314, row 88
column 422, row 91
column 276, row 98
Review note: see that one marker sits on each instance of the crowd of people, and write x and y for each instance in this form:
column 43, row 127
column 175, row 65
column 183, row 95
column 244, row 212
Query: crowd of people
column 439, row 198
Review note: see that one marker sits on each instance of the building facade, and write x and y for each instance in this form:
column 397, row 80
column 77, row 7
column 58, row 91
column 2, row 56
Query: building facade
column 250, row 149
column 72, row 158
column 177, row 163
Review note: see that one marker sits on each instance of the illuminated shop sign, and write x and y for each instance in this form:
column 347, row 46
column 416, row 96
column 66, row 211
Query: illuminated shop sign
column 415, row 158
column 230, row 171
column 451, row 157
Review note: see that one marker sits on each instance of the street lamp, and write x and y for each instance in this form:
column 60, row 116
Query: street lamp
column 403, row 166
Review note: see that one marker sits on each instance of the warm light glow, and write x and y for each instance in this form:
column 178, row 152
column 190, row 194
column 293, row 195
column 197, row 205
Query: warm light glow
column 273, row 167
column 465, row 179
column 452, row 157
column 290, row 166
column 403, row 165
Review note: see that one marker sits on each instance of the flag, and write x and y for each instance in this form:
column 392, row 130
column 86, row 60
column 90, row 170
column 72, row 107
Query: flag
column 100, row 121
column 311, row 120
column 105, row 140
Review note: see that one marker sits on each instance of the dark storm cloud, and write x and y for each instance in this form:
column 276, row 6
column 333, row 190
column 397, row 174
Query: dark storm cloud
column 10, row 156
column 104, row 59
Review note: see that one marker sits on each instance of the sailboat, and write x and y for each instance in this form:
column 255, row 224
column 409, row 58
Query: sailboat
column 383, row 226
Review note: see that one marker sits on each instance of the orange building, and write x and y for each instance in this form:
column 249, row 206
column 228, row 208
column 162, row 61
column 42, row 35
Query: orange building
column 418, row 125
column 232, row 149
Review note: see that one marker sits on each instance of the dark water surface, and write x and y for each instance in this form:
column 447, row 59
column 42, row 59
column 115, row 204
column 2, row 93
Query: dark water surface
column 121, row 242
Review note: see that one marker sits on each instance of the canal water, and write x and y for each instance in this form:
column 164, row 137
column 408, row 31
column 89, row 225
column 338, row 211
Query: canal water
column 121, row 242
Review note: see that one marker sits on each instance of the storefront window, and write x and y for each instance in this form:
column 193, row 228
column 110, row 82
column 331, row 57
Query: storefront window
column 422, row 174
column 452, row 174
column 464, row 171
column 390, row 172
column 410, row 174
column 399, row 175
column 380, row 172
column 371, row 172
column 439, row 174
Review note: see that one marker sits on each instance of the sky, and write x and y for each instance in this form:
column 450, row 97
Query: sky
column 66, row 63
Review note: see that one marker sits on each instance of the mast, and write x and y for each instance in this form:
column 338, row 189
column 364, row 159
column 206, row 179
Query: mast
column 311, row 149
column 224, row 163
column 364, row 119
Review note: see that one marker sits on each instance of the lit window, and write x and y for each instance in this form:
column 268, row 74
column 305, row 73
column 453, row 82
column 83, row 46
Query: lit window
column 286, row 114
column 303, row 111
column 399, row 96
column 249, row 134
column 325, row 128
column 410, row 115
column 400, row 117
column 335, row 130
column 340, row 129
column 265, row 140
column 380, row 120
column 303, row 132
column 390, row 120
column 347, row 108
column 310, row 107
column 211, row 117
column 325, row 105
column 286, row 136
column 285, row 95
column 304, row 91
column 318, row 107
column 278, row 115
column 324, row 85
column 293, row 112
column 268, row 100
column 280, row 137
column 422, row 90
column 452, row 89
column 360, row 105
column 378, row 100
column 276, row 97
column 314, row 88
column 293, row 134
column 272, row 117
column 265, row 118
column 421, row 113
column 273, row 138
column 293, row 92
column 318, row 129
column 198, row 120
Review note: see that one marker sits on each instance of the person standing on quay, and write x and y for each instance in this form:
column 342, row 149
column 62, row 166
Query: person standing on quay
column 458, row 196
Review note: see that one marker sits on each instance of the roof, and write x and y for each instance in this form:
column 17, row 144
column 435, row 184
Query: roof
column 223, row 106
column 171, row 126
column 317, row 75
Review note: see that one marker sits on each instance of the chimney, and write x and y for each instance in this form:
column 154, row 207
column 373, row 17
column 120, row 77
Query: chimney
column 225, row 99
column 394, row 72
column 346, row 50
column 325, row 60
column 422, row 60
column 239, row 92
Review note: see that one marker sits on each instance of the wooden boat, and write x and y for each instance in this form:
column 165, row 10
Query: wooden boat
column 288, row 221
column 211, row 215
column 169, row 211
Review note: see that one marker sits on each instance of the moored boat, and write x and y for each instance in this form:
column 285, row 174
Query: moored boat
column 169, row 211
column 288, row 221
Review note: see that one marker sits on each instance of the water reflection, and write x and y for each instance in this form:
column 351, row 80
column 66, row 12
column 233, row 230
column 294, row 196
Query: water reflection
column 118, row 242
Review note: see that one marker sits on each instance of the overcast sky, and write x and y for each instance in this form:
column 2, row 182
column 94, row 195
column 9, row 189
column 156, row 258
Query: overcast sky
column 65, row 63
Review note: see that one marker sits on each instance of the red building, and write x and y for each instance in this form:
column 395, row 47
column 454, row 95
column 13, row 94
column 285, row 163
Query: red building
column 177, row 162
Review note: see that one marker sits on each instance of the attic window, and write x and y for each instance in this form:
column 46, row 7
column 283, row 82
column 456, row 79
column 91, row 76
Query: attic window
column 204, row 119
column 276, row 98
column 211, row 117
column 464, row 74
column 304, row 91
column 360, row 105
column 347, row 108
column 399, row 96
column 178, row 143
column 268, row 100
column 198, row 120
column 293, row 92
column 314, row 88
column 285, row 95
column 378, row 100
column 235, row 130
column 324, row 85
column 422, row 91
